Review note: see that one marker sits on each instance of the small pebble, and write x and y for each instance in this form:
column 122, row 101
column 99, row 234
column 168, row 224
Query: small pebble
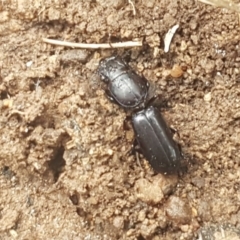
column 13, row 233
column 184, row 228
column 154, row 191
column 110, row 152
column 148, row 192
column 118, row 222
column 176, row 71
column 178, row 210
column 29, row 63
column 208, row 97
column 8, row 103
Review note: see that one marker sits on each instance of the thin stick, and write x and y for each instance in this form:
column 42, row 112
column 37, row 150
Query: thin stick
column 133, row 7
column 169, row 36
column 223, row 3
column 94, row 45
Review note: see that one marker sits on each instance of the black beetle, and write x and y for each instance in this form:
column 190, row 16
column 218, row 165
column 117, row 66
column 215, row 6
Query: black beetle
column 130, row 91
column 155, row 140
column 125, row 86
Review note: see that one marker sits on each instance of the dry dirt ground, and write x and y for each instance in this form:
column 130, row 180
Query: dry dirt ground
column 66, row 171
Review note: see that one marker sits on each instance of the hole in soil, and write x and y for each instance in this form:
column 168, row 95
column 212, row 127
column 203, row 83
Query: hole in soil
column 81, row 212
column 3, row 95
column 7, row 172
column 46, row 121
column 126, row 225
column 140, row 237
column 42, row 82
column 32, row 86
column 74, row 199
column 57, row 163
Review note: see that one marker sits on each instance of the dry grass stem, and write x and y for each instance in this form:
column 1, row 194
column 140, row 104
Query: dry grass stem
column 94, row 45
column 169, row 36
column 223, row 3
column 133, row 7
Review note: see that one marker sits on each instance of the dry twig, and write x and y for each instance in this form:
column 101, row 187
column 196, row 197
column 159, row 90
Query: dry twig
column 169, row 36
column 223, row 3
column 94, row 45
column 133, row 7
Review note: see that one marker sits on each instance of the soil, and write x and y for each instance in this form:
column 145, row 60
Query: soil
column 67, row 171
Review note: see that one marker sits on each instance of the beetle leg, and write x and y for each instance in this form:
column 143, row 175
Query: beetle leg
column 127, row 56
column 152, row 100
column 138, row 160
column 158, row 102
column 136, row 150
column 126, row 123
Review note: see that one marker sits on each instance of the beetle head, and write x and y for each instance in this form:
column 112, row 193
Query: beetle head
column 111, row 67
column 103, row 71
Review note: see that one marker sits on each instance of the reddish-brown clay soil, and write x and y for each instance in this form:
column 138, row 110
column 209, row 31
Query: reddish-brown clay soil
column 66, row 168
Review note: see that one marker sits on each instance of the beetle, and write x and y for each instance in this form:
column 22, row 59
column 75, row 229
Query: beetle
column 124, row 85
column 130, row 91
column 156, row 141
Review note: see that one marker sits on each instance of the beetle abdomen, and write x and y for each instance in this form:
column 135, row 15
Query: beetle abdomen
column 155, row 140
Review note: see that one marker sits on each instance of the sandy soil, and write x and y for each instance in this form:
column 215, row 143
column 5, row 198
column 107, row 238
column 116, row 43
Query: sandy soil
column 66, row 171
